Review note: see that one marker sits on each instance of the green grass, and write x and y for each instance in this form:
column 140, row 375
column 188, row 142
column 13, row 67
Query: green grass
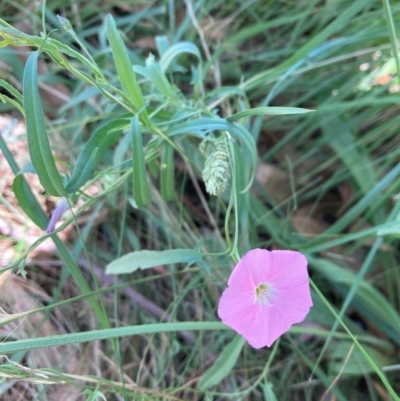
column 127, row 147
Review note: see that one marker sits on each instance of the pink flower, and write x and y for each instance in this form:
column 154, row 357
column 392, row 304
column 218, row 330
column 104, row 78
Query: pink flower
column 267, row 293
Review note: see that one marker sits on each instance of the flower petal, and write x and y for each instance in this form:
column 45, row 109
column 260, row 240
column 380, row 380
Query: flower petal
column 258, row 334
column 233, row 302
column 294, row 302
column 259, row 263
column 279, row 324
column 288, row 268
column 243, row 321
column 256, row 326
column 251, row 323
column 241, row 278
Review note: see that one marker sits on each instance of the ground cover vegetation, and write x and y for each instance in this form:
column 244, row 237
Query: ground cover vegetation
column 166, row 139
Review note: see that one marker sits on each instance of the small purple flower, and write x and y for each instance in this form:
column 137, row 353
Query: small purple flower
column 58, row 212
column 267, row 293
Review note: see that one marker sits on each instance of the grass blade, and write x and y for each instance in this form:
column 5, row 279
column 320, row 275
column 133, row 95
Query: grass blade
column 94, row 335
column 167, row 172
column 140, row 185
column 335, row 26
column 392, row 33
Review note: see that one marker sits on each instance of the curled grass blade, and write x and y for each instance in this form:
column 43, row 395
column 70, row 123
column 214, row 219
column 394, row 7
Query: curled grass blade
column 176, row 50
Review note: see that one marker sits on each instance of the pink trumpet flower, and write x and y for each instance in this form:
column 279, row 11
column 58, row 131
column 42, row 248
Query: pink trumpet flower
column 267, row 293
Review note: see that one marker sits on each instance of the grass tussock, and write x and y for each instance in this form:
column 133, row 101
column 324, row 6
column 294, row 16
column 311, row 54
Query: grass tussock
column 241, row 125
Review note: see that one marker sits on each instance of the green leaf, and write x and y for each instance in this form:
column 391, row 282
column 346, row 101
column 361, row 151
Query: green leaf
column 146, row 259
column 167, row 172
column 140, row 184
column 28, row 203
column 93, row 151
column 124, row 67
column 38, row 141
column 223, row 365
column 268, row 111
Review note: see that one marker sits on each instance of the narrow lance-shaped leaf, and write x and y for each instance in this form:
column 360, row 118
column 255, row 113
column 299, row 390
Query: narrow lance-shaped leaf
column 167, row 172
column 124, row 67
column 146, row 259
column 38, row 141
column 28, row 203
column 268, row 111
column 140, row 185
column 86, row 163
column 223, row 365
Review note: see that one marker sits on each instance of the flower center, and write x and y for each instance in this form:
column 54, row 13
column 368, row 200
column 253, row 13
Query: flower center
column 262, row 292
